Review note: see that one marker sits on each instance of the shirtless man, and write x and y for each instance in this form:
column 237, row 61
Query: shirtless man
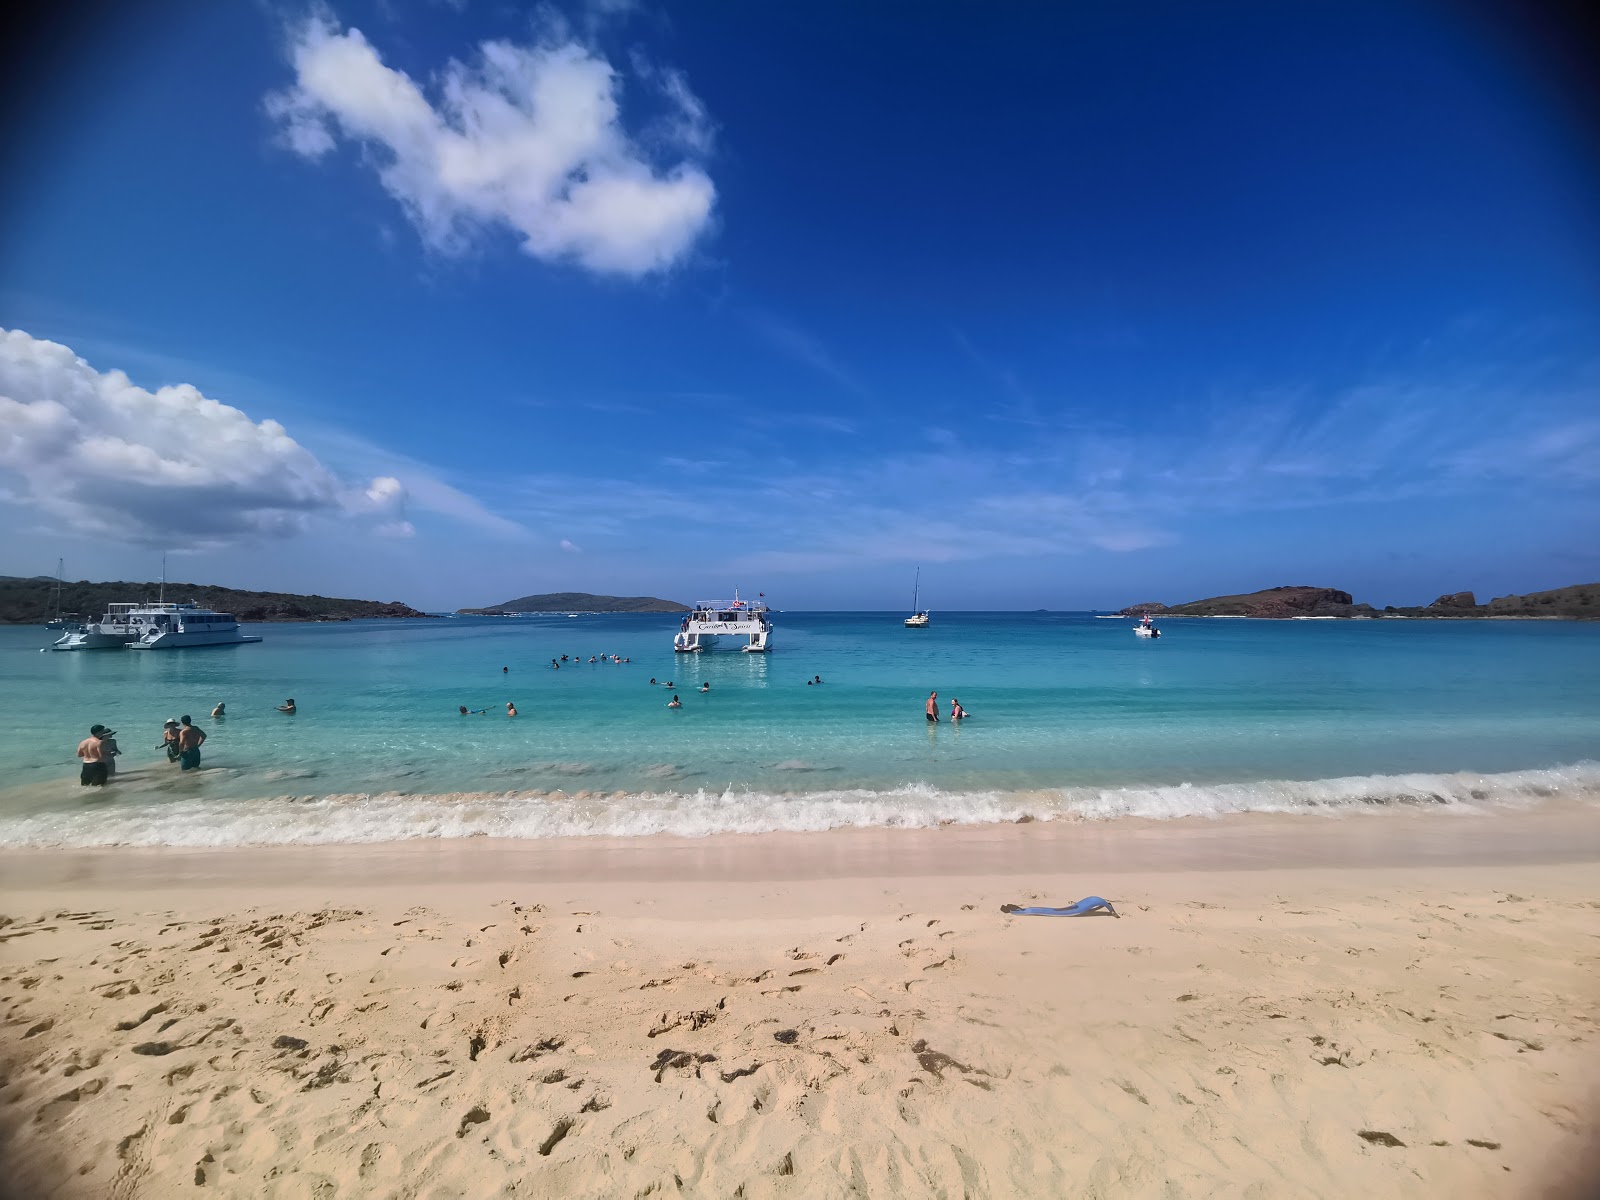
column 511, row 709
column 932, row 708
column 94, row 767
column 189, row 742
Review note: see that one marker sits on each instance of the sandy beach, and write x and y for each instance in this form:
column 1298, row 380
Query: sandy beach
column 1402, row 1005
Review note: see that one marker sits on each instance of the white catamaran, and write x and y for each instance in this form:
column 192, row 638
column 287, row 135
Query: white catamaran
column 919, row 617
column 159, row 626
column 713, row 620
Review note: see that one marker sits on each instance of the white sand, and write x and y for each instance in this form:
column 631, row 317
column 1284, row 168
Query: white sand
column 590, row 1020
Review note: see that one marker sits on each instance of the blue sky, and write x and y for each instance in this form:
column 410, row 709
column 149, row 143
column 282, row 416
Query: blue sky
column 1072, row 306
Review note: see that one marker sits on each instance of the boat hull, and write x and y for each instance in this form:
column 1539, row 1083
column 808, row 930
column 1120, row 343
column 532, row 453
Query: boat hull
column 180, row 640
column 91, row 640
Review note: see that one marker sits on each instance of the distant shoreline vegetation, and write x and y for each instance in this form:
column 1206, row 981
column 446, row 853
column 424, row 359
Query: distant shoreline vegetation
column 1580, row 602
column 33, row 601
column 582, row 602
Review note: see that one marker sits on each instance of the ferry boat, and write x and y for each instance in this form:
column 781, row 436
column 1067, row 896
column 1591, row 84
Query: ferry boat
column 713, row 620
column 159, row 626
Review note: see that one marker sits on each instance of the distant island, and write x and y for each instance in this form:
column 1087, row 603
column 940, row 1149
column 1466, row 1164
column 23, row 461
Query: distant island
column 1580, row 602
column 32, row 601
column 577, row 602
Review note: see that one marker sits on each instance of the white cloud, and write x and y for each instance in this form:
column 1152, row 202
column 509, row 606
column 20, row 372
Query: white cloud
column 527, row 138
column 169, row 467
column 386, row 497
column 570, row 547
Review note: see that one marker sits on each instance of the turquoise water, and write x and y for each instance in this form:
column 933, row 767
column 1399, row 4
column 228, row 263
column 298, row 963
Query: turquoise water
column 1070, row 715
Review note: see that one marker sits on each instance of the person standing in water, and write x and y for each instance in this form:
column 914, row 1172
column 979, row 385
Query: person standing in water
column 221, row 710
column 287, row 706
column 190, row 740
column 957, row 713
column 109, row 751
column 94, row 771
column 932, row 707
column 511, row 709
column 169, row 739
column 674, row 702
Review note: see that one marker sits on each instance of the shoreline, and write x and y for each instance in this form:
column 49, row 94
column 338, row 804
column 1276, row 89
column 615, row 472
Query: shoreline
column 1553, row 833
column 150, row 817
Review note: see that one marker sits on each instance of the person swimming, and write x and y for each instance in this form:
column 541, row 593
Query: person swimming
column 652, row 681
column 817, row 679
column 705, row 687
column 674, row 702
column 511, row 709
column 221, row 710
column 287, row 706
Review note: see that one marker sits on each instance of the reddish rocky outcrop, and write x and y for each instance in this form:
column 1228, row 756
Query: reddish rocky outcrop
column 1280, row 602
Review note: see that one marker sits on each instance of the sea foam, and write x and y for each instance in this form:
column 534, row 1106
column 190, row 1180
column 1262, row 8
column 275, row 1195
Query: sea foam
column 393, row 817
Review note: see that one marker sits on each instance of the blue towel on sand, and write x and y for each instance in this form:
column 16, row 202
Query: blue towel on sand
column 1083, row 907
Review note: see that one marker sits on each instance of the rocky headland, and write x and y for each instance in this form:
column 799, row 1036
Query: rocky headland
column 33, row 601
column 1580, row 602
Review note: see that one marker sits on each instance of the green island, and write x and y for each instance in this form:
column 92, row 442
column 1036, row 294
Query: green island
column 1579, row 602
column 32, row 601
column 585, row 602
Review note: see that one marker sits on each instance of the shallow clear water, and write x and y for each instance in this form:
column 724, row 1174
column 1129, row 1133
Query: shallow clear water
column 1070, row 714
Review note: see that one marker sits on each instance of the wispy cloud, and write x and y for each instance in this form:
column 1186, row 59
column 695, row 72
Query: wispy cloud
column 1117, row 489
column 427, row 487
column 792, row 341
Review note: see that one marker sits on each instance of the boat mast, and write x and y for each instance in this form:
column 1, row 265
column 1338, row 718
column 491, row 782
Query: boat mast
column 163, row 599
column 61, row 564
column 916, row 591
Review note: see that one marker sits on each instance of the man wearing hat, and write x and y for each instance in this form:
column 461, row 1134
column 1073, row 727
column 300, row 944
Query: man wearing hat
column 89, row 750
column 169, row 738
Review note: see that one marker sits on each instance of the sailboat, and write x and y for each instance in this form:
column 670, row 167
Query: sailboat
column 919, row 617
column 60, row 621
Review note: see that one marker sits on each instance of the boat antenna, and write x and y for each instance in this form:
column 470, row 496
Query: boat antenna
column 163, row 599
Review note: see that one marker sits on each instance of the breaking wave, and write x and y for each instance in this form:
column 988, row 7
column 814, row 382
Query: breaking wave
column 393, row 817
